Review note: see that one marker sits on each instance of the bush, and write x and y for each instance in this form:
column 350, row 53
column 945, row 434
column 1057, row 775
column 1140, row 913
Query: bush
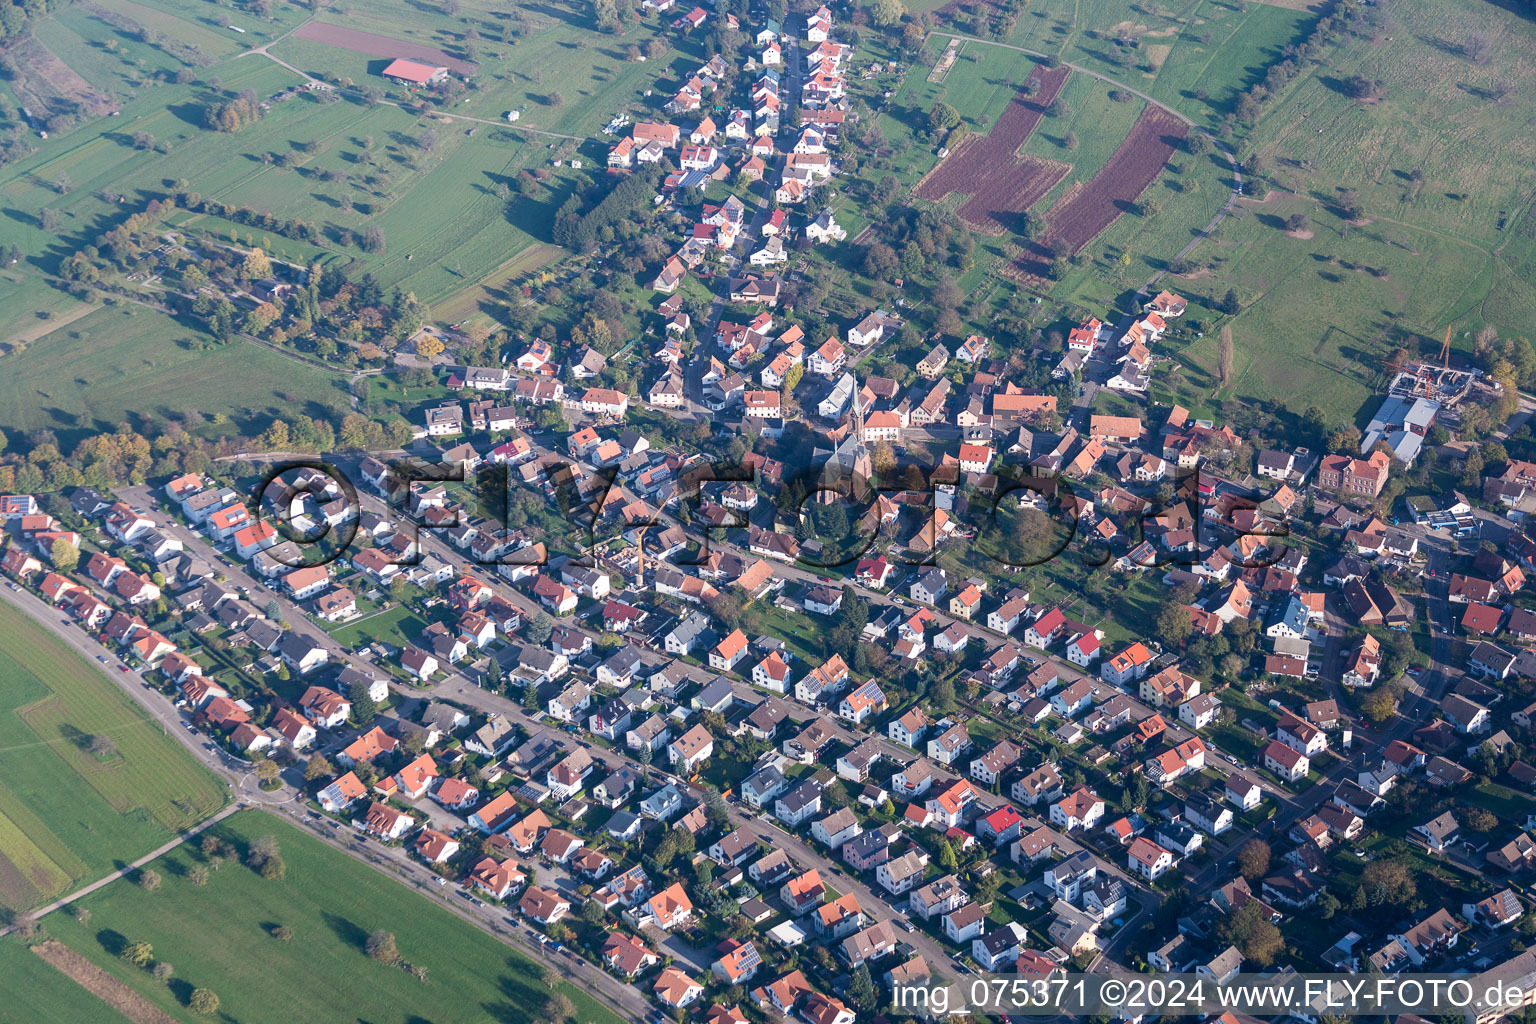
column 204, row 1001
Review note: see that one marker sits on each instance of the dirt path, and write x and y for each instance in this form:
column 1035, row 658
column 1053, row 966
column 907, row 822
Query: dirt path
column 101, row 984
column 31, row 332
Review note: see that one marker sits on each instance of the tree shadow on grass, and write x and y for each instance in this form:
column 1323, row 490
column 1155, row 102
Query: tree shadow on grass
column 346, row 931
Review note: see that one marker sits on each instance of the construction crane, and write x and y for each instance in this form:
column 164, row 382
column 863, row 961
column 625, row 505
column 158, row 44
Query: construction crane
column 640, row 555
column 1445, row 350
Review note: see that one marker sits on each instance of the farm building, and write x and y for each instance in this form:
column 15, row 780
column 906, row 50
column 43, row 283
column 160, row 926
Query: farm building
column 410, row 72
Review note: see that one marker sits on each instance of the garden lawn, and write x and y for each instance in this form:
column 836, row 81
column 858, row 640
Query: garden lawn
column 65, row 815
column 219, row 936
column 398, row 626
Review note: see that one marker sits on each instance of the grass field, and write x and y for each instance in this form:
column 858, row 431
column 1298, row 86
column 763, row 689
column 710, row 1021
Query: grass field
column 66, row 816
column 349, row 165
column 122, row 363
column 35, row 991
column 218, row 936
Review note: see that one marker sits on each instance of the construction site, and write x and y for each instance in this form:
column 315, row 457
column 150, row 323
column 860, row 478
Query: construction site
column 1422, row 393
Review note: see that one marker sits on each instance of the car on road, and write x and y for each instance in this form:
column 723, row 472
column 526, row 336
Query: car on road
column 122, row 668
column 101, row 658
column 439, row 879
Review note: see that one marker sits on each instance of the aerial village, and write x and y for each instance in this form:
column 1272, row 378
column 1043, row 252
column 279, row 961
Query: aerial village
column 709, row 755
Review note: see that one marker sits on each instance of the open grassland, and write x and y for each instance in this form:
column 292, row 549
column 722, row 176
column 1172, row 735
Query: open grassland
column 562, row 76
column 341, row 166
column 65, row 815
column 1468, row 172
column 36, row 993
column 219, row 936
column 124, row 362
column 1320, row 311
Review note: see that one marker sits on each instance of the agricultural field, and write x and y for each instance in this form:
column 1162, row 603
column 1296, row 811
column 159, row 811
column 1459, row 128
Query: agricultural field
column 220, row 936
column 1079, row 216
column 123, row 362
column 68, row 814
column 987, row 168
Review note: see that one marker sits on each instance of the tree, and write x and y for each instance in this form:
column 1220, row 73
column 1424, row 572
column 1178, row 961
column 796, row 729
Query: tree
column 197, row 874
column 1253, row 859
column 140, row 954
column 64, row 555
column 947, row 859
column 381, row 947
column 715, row 809
column 163, row 971
column 1479, row 819
column 1296, row 223
column 942, row 117
column 886, row 13
column 268, row 772
column 1173, row 624
column 1229, row 303
column 861, row 988
column 204, row 1001
column 1252, row 933
column 539, row 629
column 1379, row 703
column 255, row 266
column 149, row 880
column 1388, row 883
column 273, row 869
column 558, row 1007
column 282, row 933
column 261, row 849
column 317, row 767
column 364, row 707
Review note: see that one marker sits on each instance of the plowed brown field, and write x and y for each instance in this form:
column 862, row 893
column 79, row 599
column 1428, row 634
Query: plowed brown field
column 1078, row 217
column 1001, row 183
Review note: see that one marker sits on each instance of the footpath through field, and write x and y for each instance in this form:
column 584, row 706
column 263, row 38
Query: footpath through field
column 128, row 869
